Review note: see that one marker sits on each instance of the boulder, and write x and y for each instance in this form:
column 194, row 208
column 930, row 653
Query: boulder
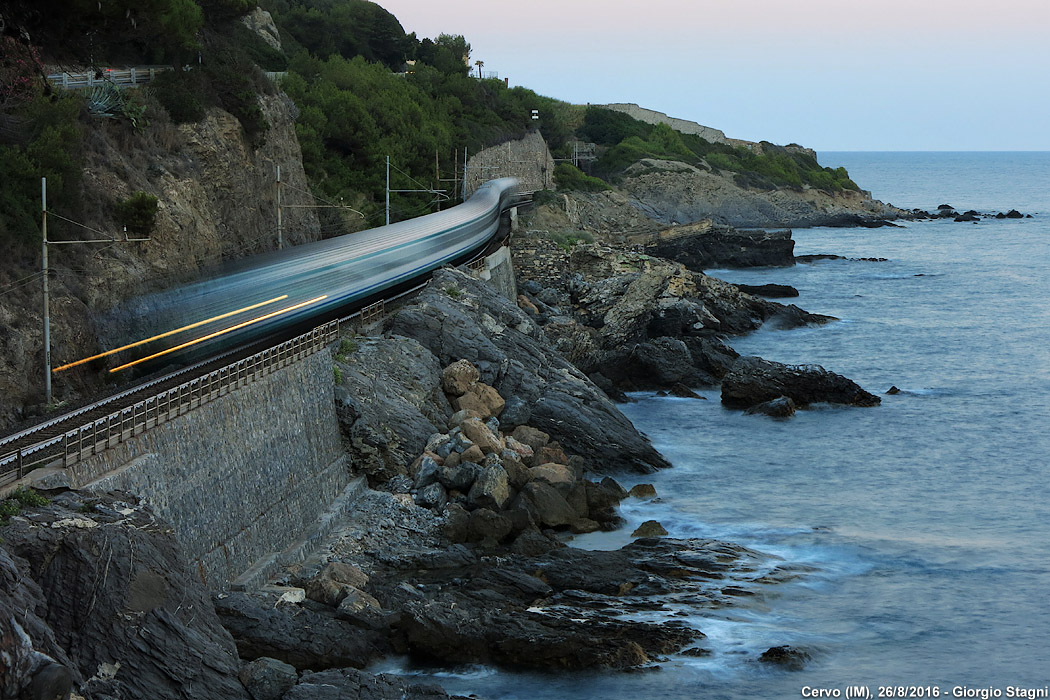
column 521, row 449
column 517, row 473
column 642, row 491
column 330, row 584
column 482, row 399
column 459, row 378
column 481, row 435
column 1014, row 214
column 268, row 679
column 348, row 683
column 551, row 452
column 547, row 505
column 491, row 488
column 582, row 526
column 532, row 437
column 650, row 528
column 514, row 357
column 433, row 497
column 460, row 416
column 559, row 476
column 363, row 610
column 789, row 657
column 515, row 412
column 753, row 381
column 780, row 407
column 427, row 473
column 472, row 454
column 153, row 614
column 460, row 477
column 683, row 392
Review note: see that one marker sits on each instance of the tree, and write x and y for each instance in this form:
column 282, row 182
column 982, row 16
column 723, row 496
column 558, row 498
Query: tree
column 479, row 64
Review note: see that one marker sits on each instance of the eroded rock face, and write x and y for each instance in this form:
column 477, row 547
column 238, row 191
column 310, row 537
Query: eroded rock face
column 754, row 381
column 634, row 321
column 109, row 589
column 514, row 357
column 725, row 247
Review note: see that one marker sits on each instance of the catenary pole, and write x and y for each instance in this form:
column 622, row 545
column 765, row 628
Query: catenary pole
column 388, row 190
column 280, row 228
column 47, row 300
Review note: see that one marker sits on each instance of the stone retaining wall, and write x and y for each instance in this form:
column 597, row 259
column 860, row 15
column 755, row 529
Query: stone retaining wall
column 241, row 477
column 527, row 159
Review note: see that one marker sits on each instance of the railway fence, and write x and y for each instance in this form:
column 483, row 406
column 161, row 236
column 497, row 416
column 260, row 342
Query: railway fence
column 119, row 426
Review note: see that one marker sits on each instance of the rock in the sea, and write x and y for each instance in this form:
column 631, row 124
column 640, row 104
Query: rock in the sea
column 770, row 291
column 547, row 505
column 642, row 491
column 712, row 247
column 650, row 528
column 893, row 391
column 268, row 679
column 780, row 407
column 789, row 657
column 683, row 392
column 753, row 381
column 1014, row 214
column 351, row 684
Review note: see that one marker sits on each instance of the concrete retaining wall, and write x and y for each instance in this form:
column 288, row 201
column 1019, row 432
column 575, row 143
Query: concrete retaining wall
column 651, row 116
column 241, row 477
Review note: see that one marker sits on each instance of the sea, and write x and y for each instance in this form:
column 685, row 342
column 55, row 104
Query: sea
column 921, row 526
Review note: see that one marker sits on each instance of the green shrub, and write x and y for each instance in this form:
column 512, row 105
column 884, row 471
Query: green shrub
column 183, row 94
column 337, row 375
column 453, row 291
column 138, row 213
column 569, row 177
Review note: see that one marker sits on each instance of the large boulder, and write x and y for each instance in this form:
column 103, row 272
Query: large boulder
column 753, row 381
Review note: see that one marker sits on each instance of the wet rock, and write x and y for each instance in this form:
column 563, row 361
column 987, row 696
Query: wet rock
column 650, row 528
column 642, row 491
column 968, row 216
column 770, row 291
column 532, row 543
column 780, row 407
column 1014, row 214
column 582, row 526
column 753, row 381
column 789, row 657
column 268, row 679
column 893, row 391
column 684, row 392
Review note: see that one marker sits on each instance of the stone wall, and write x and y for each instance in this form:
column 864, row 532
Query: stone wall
column 239, row 478
column 527, row 159
column 499, row 272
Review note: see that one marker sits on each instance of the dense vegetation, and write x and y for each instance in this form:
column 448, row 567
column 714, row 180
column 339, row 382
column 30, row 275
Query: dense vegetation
column 365, row 89
column 629, row 140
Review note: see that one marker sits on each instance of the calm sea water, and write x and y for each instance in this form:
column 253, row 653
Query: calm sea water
column 925, row 521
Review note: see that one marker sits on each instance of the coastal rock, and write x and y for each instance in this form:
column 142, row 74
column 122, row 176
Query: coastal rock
column 491, row 488
column 514, row 356
column 770, row 291
column 459, row 378
column 547, row 505
column 754, row 381
column 642, row 491
column 703, row 246
column 268, row 679
column 153, row 615
column 351, row 684
column 307, row 636
column 388, row 401
column 789, row 657
column 650, row 528
column 1014, row 214
column 780, row 407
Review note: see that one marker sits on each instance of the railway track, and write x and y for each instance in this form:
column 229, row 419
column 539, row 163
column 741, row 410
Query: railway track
column 64, row 439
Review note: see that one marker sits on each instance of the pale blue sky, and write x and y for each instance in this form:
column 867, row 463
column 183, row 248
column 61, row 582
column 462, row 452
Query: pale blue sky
column 829, row 74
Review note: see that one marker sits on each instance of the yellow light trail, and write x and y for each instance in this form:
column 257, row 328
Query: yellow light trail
column 224, row 331
column 166, row 334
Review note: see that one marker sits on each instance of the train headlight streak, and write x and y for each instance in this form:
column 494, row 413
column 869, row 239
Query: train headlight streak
column 224, row 331
column 170, row 333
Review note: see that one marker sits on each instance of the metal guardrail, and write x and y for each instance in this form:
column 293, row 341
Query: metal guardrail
column 120, row 426
column 117, row 76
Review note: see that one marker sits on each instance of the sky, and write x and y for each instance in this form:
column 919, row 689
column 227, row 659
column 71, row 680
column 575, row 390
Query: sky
column 847, row 75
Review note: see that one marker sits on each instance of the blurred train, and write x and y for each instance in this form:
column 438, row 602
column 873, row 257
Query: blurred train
column 297, row 288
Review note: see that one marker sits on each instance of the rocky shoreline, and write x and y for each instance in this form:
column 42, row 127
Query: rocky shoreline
column 487, row 434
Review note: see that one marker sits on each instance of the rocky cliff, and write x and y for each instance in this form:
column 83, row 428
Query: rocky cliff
column 216, row 194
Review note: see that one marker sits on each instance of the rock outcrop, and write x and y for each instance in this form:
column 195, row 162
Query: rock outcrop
column 458, row 317
column 99, row 589
column 703, row 246
column 753, row 381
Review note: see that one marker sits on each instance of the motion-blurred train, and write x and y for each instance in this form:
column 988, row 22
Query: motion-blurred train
column 298, row 287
